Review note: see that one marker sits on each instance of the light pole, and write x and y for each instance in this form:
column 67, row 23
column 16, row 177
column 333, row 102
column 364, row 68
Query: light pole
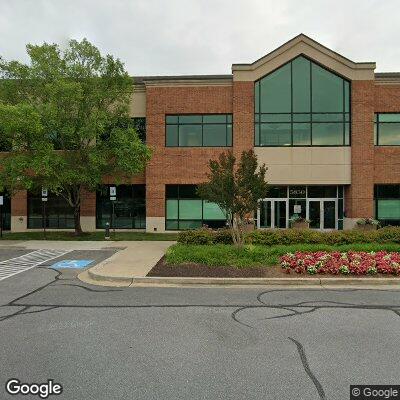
column 113, row 198
column 44, row 200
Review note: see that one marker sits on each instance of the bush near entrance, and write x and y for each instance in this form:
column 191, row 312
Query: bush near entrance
column 293, row 236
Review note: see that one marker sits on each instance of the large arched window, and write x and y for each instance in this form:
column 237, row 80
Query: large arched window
column 302, row 104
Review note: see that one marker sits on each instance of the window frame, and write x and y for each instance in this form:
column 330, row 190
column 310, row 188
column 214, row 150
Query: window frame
column 137, row 201
column 228, row 121
column 62, row 222
column 178, row 198
column 346, row 116
column 385, row 221
column 376, row 128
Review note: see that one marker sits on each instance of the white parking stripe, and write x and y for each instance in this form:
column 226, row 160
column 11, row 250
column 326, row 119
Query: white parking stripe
column 19, row 264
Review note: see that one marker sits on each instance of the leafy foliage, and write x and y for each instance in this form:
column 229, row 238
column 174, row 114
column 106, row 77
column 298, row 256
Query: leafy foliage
column 235, row 188
column 54, row 113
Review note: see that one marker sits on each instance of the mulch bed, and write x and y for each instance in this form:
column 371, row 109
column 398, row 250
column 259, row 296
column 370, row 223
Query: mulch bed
column 162, row 269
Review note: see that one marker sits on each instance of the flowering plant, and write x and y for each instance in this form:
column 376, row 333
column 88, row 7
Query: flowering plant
column 352, row 262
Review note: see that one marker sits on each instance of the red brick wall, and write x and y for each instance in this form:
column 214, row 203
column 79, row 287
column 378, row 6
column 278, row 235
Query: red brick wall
column 243, row 116
column 387, row 159
column 370, row 165
column 19, row 203
column 178, row 165
column 361, row 192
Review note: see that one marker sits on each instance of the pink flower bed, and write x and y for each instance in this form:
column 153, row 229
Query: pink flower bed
column 352, row 262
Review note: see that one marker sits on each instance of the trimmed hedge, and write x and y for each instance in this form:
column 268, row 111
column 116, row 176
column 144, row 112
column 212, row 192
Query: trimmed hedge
column 293, row 236
column 205, row 236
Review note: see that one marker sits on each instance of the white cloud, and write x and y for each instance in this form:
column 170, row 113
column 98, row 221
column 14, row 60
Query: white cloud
column 167, row 37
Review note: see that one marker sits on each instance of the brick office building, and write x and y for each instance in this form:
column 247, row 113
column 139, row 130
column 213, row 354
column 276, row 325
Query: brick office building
column 328, row 129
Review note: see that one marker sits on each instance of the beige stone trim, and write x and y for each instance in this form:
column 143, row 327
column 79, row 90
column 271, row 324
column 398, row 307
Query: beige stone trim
column 302, row 44
column 137, row 105
column 155, row 224
column 185, row 82
column 19, row 223
column 306, row 165
column 88, row 224
column 349, row 223
column 387, row 81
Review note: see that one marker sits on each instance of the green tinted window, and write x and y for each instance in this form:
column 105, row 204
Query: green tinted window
column 172, row 135
column 389, row 117
column 209, row 130
column 301, row 134
column 212, row 211
column 184, row 211
column 327, row 134
column 190, row 119
column 275, row 134
column 171, row 119
column 302, row 91
column 388, row 209
column 190, row 135
column 301, row 85
column 214, row 135
column 275, row 91
column 172, row 209
column 327, row 91
column 215, row 118
column 387, row 129
column 190, row 209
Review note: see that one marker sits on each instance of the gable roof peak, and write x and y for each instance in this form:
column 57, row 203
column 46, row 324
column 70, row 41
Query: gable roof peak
column 304, row 45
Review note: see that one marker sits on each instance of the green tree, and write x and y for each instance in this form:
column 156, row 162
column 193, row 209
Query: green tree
column 65, row 123
column 236, row 189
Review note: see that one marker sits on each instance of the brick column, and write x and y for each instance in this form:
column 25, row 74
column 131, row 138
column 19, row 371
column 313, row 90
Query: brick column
column 361, row 192
column 243, row 117
column 19, row 211
column 88, row 210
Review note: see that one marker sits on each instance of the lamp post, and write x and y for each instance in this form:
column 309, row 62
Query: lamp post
column 1, row 215
column 113, row 197
column 44, row 201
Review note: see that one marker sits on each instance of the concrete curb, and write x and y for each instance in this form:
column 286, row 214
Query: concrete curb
column 177, row 281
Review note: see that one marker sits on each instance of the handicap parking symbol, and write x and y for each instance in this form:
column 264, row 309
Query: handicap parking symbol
column 72, row 264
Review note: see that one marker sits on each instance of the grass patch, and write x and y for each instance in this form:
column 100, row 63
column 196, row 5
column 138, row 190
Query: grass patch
column 256, row 255
column 59, row 235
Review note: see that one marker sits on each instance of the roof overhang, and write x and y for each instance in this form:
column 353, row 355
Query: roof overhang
column 303, row 45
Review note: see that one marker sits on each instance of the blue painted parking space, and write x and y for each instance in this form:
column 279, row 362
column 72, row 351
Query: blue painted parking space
column 72, row 264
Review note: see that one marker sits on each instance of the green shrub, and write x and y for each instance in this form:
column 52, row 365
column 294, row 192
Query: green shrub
column 222, row 236
column 198, row 236
column 271, row 237
column 258, row 255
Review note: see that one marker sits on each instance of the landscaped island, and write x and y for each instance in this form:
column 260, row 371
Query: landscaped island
column 274, row 253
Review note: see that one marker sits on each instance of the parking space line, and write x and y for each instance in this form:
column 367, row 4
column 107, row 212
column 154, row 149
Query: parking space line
column 20, row 264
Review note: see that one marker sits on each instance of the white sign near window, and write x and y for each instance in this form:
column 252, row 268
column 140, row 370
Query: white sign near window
column 113, row 191
column 297, row 209
column 1, row 200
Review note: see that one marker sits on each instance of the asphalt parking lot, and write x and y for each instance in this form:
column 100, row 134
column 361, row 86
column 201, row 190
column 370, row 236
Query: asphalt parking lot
column 193, row 343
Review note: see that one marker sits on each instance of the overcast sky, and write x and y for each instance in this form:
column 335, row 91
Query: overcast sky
column 174, row 37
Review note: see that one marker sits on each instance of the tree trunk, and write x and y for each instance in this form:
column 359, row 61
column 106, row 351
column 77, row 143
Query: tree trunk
column 237, row 231
column 77, row 220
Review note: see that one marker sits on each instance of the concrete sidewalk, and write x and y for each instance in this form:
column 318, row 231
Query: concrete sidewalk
column 134, row 261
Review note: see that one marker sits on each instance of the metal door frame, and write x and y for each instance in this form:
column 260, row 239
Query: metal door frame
column 321, row 212
column 273, row 200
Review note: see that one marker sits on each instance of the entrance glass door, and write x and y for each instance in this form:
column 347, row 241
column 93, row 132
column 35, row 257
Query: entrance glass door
column 330, row 214
column 314, row 214
column 280, row 214
column 273, row 213
column 322, row 213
